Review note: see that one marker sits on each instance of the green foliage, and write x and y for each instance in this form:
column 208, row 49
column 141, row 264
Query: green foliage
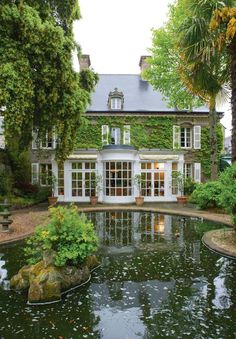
column 69, row 235
column 38, row 85
column 6, row 182
column 207, row 195
column 204, row 154
column 228, row 193
column 149, row 132
column 189, row 186
column 163, row 73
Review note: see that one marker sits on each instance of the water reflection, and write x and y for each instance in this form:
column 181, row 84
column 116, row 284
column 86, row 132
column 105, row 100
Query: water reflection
column 3, row 273
column 156, row 281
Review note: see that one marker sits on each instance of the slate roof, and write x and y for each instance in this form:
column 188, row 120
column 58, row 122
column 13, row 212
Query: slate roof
column 139, row 95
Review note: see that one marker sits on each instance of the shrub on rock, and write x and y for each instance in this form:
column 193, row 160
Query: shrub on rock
column 68, row 238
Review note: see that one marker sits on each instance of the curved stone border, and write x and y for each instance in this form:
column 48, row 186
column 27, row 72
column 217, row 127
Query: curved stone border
column 207, row 240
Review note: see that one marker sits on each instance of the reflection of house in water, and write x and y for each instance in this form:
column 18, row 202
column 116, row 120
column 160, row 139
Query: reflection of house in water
column 130, row 229
column 3, row 273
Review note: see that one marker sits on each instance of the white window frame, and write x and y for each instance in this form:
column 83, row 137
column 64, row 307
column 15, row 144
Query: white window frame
column 115, row 133
column 1, row 125
column 83, row 171
column 48, row 172
column 116, row 103
column 197, row 172
column 185, row 137
column 188, row 170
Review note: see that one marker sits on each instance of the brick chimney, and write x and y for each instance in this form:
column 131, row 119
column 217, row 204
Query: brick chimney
column 84, row 61
column 143, row 62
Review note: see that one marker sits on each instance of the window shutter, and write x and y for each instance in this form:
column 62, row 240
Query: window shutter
column 34, row 140
column 35, row 173
column 105, row 132
column 126, row 136
column 176, row 136
column 54, row 140
column 1, row 124
column 197, row 137
column 197, row 172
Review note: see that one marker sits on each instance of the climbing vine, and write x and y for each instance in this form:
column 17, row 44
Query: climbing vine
column 150, row 132
column 146, row 132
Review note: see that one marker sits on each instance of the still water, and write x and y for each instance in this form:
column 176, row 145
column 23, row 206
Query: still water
column 156, row 281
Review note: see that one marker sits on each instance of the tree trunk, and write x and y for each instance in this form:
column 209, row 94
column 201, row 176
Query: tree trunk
column 213, row 138
column 232, row 49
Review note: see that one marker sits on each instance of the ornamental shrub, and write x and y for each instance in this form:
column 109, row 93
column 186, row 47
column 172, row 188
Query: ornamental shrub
column 207, row 195
column 228, row 192
column 68, row 235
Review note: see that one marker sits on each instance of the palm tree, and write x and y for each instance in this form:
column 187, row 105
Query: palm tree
column 216, row 40
column 204, row 79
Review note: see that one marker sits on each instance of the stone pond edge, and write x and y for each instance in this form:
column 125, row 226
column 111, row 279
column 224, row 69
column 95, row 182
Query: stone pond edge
column 210, row 244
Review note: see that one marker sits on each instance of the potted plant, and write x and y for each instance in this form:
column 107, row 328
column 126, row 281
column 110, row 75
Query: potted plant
column 52, row 182
column 138, row 181
column 179, row 180
column 97, row 189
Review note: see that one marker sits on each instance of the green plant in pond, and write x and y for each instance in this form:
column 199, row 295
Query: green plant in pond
column 68, row 235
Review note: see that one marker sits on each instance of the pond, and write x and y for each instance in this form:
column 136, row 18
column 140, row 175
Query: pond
column 157, row 280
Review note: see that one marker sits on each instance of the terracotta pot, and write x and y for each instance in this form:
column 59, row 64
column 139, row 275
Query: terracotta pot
column 182, row 200
column 139, row 201
column 93, row 200
column 52, row 201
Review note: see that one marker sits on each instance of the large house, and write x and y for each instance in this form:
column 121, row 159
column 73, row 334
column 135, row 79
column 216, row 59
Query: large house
column 130, row 131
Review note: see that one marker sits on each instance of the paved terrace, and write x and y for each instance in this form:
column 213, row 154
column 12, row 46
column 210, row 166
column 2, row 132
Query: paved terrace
column 25, row 220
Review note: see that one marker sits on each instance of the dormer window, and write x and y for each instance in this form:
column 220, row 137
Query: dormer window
column 115, row 100
column 115, row 103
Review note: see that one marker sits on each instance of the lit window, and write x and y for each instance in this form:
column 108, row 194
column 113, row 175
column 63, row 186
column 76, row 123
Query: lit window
column 153, row 179
column 185, row 137
column 118, row 178
column 83, row 179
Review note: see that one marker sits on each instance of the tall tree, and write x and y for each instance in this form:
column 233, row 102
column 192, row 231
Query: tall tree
column 223, row 26
column 38, row 85
column 187, row 75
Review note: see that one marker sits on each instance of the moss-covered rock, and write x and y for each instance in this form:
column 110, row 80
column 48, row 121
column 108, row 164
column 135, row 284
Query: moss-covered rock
column 46, row 282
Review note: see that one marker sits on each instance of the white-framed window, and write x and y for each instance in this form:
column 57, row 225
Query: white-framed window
column 175, row 189
column 45, row 172
column 118, row 178
column 185, row 137
column 48, row 142
column 1, row 124
column 188, row 170
column 61, row 179
column 83, row 179
column 116, row 103
column 153, row 179
column 115, row 136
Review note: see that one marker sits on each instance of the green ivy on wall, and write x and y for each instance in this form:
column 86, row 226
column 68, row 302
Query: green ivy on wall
column 204, row 154
column 146, row 132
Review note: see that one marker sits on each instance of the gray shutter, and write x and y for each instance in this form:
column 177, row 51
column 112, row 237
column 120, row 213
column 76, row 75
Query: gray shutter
column 126, row 136
column 35, row 173
column 105, row 133
column 34, row 140
column 197, row 137
column 197, row 172
column 176, row 136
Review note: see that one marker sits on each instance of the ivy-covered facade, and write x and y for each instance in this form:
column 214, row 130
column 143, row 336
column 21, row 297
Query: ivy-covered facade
column 128, row 131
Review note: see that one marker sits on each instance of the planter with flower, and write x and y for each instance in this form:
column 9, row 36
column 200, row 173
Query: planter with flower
column 185, row 186
column 52, row 183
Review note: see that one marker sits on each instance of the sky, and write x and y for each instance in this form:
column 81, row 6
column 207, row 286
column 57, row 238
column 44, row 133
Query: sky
column 115, row 33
